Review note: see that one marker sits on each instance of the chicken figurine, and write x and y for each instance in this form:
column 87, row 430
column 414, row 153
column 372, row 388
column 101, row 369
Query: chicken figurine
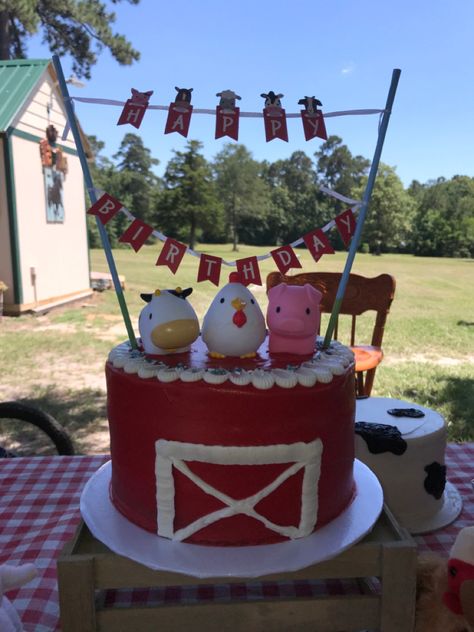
column 234, row 324
column 459, row 596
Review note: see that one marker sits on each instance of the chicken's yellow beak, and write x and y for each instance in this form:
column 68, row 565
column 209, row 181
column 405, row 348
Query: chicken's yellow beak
column 238, row 304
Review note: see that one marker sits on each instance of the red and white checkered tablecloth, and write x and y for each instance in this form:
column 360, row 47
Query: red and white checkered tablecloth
column 39, row 513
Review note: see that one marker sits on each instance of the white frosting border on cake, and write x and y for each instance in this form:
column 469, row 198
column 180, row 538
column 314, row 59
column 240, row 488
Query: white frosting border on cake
column 321, row 368
column 299, row 455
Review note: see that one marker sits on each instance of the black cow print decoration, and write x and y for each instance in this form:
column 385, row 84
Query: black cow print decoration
column 381, row 437
column 435, row 481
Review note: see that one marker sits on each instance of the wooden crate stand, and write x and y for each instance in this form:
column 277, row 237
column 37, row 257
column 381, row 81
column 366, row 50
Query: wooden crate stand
column 388, row 553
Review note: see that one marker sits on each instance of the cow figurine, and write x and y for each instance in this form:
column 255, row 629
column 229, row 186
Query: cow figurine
column 293, row 318
column 227, row 100
column 310, row 104
column 168, row 323
column 184, row 95
column 272, row 100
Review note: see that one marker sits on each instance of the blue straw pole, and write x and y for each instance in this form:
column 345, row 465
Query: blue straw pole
column 363, row 209
column 90, row 188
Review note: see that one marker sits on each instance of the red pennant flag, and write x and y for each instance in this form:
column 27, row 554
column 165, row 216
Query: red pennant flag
column 275, row 123
column 171, row 254
column 135, row 108
column 285, row 258
column 179, row 118
column 105, row 208
column 346, row 225
column 318, row 244
column 313, row 125
column 209, row 269
column 249, row 271
column 227, row 122
column 136, row 234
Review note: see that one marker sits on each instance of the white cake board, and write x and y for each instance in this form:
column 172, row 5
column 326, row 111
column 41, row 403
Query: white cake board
column 449, row 511
column 124, row 538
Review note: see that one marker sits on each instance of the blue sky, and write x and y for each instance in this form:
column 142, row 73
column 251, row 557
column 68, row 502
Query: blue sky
column 341, row 51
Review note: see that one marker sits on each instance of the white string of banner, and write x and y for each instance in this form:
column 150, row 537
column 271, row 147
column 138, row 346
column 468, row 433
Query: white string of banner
column 352, row 204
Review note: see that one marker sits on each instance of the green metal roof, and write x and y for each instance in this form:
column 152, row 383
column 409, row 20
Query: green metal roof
column 18, row 77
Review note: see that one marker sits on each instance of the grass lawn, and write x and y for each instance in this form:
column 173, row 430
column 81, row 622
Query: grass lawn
column 56, row 360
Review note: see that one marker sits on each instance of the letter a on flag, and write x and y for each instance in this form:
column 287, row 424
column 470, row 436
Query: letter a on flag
column 179, row 118
column 318, row 244
column 171, row 254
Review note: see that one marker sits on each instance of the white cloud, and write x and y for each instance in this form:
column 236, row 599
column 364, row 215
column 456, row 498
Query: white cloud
column 348, row 68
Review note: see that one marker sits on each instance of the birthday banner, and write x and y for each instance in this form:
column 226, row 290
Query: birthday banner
column 173, row 251
column 227, row 114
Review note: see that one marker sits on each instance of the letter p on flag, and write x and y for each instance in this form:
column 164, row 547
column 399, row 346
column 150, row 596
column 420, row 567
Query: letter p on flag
column 105, row 208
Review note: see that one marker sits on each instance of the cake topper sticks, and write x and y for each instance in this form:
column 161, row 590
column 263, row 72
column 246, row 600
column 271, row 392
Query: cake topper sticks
column 90, row 188
column 363, row 209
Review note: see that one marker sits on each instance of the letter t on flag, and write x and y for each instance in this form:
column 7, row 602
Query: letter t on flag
column 105, row 208
column 136, row 234
column 209, row 269
column 171, row 254
column 285, row 258
column 318, row 244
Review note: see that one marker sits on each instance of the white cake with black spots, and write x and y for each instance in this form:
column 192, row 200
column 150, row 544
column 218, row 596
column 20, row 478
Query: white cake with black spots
column 405, row 448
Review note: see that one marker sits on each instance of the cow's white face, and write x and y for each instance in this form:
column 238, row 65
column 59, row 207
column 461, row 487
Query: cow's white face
column 167, row 324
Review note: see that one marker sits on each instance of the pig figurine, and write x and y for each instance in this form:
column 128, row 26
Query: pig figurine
column 293, row 318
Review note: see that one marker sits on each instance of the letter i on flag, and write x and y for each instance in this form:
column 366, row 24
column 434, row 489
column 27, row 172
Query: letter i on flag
column 136, row 234
column 209, row 269
column 274, row 117
column 135, row 108
column 105, row 208
column 227, row 115
column 179, row 113
column 285, row 258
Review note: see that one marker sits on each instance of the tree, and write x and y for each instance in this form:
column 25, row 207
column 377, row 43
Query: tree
column 295, row 193
column 80, row 28
column 390, row 214
column 135, row 184
column 243, row 193
column 338, row 169
column 102, row 172
column 188, row 204
column 444, row 222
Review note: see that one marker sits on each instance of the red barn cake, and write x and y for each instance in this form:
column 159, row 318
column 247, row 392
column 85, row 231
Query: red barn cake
column 231, row 451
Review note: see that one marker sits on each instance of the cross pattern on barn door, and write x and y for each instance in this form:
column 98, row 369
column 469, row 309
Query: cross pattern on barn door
column 169, row 454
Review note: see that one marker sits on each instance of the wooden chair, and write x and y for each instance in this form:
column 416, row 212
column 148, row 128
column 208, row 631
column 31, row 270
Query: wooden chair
column 362, row 294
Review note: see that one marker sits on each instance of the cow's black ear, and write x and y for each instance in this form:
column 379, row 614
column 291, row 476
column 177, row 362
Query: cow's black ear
column 187, row 292
column 146, row 297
